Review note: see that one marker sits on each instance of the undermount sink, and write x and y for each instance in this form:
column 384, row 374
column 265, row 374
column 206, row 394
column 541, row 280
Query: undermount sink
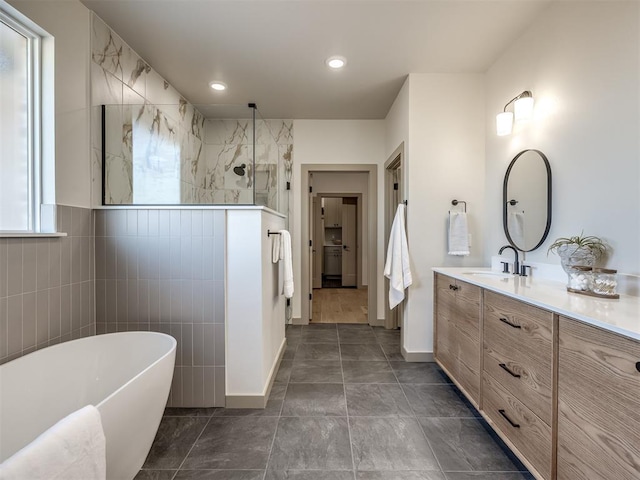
column 488, row 274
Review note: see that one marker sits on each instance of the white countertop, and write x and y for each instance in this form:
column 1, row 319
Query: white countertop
column 616, row 315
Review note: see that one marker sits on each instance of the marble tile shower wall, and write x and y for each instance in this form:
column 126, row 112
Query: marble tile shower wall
column 47, row 287
column 160, row 149
column 229, row 144
column 154, row 136
column 163, row 270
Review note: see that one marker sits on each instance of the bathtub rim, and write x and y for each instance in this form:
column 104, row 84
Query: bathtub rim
column 174, row 344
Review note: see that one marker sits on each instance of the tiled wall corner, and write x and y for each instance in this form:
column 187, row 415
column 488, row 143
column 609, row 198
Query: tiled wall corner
column 163, row 270
column 46, row 286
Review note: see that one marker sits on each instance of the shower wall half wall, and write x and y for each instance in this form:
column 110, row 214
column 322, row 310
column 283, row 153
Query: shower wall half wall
column 163, row 270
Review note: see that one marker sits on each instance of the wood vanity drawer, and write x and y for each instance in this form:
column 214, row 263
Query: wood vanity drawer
column 518, row 351
column 528, row 433
column 598, row 403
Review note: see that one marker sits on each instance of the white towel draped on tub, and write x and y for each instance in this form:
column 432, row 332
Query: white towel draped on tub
column 458, row 234
column 281, row 250
column 73, row 449
column 397, row 268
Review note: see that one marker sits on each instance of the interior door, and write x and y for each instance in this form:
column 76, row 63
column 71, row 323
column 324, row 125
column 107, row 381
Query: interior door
column 349, row 249
column 317, row 249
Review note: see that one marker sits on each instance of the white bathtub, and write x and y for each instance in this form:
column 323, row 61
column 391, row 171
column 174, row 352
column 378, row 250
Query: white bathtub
column 127, row 376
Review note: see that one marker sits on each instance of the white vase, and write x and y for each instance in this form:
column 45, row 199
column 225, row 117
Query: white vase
column 575, row 256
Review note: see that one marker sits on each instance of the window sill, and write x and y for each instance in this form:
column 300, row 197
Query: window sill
column 31, row 235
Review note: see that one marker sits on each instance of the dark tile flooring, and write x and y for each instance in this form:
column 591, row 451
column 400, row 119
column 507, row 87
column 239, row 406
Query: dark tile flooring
column 344, row 406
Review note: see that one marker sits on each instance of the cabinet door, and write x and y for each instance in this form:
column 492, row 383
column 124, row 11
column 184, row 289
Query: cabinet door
column 598, row 404
column 446, row 342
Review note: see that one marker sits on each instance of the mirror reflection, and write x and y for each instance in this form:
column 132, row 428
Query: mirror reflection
column 527, row 200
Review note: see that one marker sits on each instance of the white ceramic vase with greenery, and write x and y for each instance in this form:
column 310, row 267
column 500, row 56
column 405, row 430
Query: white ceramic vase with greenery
column 578, row 251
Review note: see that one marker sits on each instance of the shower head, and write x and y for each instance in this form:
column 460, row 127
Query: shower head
column 239, row 170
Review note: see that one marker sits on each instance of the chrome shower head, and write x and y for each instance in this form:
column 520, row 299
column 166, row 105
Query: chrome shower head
column 239, row 170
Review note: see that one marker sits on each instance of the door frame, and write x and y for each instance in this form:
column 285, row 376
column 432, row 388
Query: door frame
column 372, row 212
column 395, row 316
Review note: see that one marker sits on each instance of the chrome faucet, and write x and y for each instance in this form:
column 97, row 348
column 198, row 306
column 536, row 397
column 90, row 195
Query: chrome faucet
column 516, row 263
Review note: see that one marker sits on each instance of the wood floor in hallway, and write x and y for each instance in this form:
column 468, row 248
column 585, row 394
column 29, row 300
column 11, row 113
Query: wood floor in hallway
column 340, row 305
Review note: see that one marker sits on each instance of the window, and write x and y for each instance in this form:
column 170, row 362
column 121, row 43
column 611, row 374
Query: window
column 20, row 120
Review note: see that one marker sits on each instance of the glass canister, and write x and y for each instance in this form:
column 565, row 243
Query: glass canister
column 605, row 282
column 580, row 278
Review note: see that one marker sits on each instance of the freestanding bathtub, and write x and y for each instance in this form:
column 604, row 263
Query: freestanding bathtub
column 127, row 376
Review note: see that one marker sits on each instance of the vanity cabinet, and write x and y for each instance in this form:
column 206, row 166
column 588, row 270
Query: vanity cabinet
column 564, row 395
column 457, row 345
column 598, row 404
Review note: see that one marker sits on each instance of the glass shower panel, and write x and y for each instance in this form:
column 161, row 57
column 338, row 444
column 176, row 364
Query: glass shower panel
column 178, row 154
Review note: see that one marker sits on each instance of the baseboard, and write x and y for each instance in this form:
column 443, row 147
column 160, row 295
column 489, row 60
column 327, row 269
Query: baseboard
column 297, row 321
column 416, row 356
column 379, row 322
column 258, row 401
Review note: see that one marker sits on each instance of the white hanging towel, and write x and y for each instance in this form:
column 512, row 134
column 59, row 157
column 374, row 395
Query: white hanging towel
column 458, row 234
column 72, row 449
column 397, row 268
column 515, row 224
column 287, row 263
column 276, row 248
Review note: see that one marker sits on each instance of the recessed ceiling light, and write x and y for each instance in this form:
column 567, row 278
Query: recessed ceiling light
column 336, row 62
column 218, row 86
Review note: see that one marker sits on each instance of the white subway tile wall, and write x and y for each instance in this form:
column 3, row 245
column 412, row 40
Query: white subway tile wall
column 163, row 270
column 46, row 286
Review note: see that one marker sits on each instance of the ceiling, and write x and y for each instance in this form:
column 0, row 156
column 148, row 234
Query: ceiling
column 272, row 52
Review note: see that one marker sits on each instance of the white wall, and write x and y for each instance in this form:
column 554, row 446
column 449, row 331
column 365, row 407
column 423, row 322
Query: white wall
column 581, row 62
column 397, row 124
column 445, row 160
column 68, row 22
column 254, row 302
column 336, row 142
column 350, row 182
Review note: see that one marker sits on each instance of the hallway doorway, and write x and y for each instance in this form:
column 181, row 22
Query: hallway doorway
column 349, row 190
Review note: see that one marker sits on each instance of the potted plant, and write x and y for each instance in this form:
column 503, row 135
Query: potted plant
column 578, row 251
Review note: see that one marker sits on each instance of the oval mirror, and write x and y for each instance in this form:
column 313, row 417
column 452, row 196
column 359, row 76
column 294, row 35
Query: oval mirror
column 526, row 198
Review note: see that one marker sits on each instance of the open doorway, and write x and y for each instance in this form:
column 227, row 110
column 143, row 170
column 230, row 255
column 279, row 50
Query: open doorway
column 339, row 293
column 327, row 186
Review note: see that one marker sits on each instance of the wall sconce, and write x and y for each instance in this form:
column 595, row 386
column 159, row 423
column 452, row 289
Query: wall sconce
column 522, row 110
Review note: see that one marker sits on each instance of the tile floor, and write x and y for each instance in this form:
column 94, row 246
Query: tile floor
column 340, row 305
column 344, row 406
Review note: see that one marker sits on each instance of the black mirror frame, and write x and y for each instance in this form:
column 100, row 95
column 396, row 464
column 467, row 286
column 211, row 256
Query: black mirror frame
column 505, row 200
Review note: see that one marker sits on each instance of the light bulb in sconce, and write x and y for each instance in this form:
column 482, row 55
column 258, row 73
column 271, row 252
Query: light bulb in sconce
column 504, row 123
column 523, row 108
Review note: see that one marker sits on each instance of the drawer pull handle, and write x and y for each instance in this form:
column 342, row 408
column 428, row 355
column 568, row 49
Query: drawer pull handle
column 514, row 425
column 504, row 320
column 505, row 368
column 453, row 287
column 638, row 366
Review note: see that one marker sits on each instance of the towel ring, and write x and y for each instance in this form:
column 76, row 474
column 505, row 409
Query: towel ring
column 456, row 202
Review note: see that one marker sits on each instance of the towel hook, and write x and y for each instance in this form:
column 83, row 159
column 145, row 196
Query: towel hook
column 512, row 202
column 456, row 202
